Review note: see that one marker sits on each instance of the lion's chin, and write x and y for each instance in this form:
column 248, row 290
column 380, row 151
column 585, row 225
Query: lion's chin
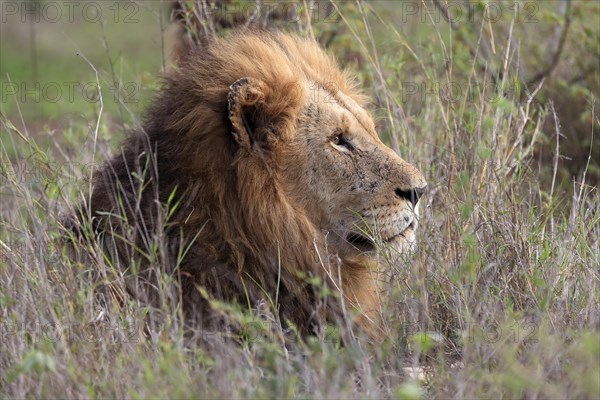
column 402, row 243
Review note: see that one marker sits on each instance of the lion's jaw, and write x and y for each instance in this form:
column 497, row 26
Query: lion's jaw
column 359, row 190
column 393, row 227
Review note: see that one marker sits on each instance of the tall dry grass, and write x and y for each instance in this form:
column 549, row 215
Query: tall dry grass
column 500, row 299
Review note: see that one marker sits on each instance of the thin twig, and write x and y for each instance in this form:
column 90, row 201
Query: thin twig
column 561, row 44
column 443, row 8
column 97, row 122
column 556, row 158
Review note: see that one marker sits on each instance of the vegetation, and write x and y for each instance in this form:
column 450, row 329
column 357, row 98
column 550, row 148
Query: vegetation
column 494, row 101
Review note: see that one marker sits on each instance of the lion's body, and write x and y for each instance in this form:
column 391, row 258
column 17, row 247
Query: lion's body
column 262, row 202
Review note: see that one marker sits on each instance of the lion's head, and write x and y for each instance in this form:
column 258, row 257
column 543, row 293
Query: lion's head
column 331, row 162
column 278, row 174
column 356, row 188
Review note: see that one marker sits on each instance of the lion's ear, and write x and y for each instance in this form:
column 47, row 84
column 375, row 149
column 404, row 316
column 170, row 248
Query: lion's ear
column 245, row 100
column 261, row 115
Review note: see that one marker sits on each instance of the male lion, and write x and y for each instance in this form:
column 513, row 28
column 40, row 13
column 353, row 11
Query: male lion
column 256, row 175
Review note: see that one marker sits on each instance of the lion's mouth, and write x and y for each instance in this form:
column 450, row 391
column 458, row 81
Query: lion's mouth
column 368, row 243
column 361, row 241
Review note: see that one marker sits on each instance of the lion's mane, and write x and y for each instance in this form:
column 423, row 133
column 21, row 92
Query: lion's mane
column 226, row 221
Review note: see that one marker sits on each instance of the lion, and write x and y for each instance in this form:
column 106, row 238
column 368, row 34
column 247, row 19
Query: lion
column 262, row 172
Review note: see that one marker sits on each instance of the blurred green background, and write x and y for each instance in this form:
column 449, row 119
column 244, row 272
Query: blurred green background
column 46, row 88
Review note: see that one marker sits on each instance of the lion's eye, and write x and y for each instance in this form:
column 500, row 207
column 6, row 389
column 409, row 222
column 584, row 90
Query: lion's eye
column 340, row 140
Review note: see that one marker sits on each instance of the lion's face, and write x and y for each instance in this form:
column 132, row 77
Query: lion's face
column 352, row 186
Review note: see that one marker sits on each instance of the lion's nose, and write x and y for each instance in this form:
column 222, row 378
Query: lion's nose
column 413, row 195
